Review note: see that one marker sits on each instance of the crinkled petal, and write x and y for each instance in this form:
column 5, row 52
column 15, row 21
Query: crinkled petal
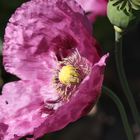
column 34, row 107
column 21, row 108
column 3, row 129
column 41, row 32
column 94, row 8
column 79, row 105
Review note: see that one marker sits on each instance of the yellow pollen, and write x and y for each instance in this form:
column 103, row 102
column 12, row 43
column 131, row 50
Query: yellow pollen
column 69, row 75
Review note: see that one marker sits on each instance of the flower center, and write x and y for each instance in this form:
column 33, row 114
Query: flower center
column 69, row 75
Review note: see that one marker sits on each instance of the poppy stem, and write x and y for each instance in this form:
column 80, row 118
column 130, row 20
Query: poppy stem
column 121, row 109
column 122, row 77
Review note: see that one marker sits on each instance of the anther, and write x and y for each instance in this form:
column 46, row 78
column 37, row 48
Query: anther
column 69, row 75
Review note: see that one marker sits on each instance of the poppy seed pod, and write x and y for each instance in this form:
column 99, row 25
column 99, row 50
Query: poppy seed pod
column 123, row 14
column 135, row 4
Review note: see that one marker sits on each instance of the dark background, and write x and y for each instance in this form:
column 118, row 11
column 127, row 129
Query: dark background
column 105, row 123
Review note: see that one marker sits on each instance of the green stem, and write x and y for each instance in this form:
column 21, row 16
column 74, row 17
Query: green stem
column 121, row 109
column 122, row 77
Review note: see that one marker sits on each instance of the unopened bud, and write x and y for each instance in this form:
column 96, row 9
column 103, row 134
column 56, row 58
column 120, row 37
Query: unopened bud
column 123, row 14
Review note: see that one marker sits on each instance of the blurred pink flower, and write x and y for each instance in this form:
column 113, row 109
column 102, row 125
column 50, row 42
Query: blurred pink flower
column 93, row 8
column 49, row 46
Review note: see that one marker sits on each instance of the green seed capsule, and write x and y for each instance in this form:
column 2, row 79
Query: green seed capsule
column 122, row 13
column 135, row 4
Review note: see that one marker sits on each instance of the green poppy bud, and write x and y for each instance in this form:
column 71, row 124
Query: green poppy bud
column 123, row 13
column 135, row 4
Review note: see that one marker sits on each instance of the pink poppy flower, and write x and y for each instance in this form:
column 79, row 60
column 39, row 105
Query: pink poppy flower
column 49, row 46
column 94, row 8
